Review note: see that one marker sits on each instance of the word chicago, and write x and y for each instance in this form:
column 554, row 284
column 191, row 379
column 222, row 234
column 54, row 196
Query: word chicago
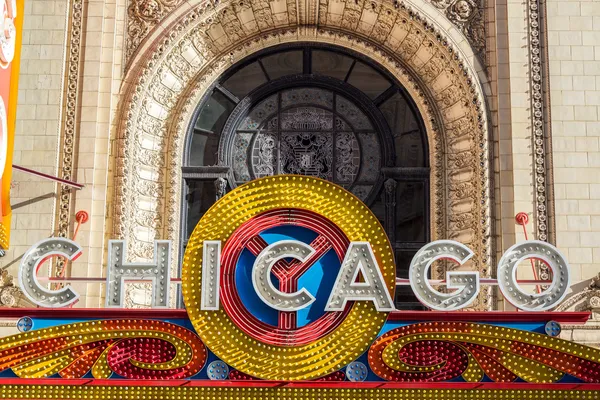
column 359, row 261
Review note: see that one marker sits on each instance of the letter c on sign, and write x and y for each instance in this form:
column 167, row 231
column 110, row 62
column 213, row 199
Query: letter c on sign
column 30, row 263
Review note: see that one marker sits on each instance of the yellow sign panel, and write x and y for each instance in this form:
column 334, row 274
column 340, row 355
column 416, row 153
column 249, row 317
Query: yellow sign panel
column 10, row 52
column 235, row 345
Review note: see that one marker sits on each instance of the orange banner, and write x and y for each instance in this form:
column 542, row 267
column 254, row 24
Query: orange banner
column 10, row 53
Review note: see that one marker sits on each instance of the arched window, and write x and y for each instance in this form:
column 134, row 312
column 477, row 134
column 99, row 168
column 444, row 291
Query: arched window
column 318, row 111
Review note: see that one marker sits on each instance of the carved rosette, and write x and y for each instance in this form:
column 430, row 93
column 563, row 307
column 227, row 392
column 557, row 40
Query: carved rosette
column 158, row 108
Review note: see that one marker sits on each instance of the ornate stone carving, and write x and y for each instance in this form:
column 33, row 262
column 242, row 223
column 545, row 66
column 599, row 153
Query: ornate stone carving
column 220, row 187
column 11, row 295
column 198, row 48
column 586, row 300
column 468, row 16
column 142, row 16
column 8, row 292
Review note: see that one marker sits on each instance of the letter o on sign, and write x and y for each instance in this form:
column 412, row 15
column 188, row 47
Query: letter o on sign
column 549, row 255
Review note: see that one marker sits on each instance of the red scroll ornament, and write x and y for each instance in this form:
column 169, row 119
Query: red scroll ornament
column 439, row 351
column 135, row 349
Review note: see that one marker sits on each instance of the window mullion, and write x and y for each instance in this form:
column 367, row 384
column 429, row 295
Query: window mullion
column 390, row 208
column 228, row 94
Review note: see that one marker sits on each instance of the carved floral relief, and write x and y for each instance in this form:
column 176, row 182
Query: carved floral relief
column 467, row 15
column 142, row 17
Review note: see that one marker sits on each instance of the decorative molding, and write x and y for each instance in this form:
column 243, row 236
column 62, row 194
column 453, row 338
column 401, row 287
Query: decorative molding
column 11, row 295
column 8, row 291
column 68, row 137
column 586, row 300
column 159, row 104
column 220, row 188
column 539, row 136
column 468, row 16
column 142, row 17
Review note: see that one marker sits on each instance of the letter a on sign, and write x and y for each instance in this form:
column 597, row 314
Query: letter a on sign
column 360, row 259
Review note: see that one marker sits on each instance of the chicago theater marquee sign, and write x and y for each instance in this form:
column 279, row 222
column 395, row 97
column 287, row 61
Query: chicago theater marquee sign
column 288, row 284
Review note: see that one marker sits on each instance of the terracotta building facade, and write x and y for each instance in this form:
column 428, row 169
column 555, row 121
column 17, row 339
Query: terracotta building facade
column 446, row 118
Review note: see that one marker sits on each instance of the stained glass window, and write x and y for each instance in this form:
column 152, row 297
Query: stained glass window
column 308, row 131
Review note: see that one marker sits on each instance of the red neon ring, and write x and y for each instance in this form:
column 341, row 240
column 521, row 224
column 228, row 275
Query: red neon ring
column 231, row 301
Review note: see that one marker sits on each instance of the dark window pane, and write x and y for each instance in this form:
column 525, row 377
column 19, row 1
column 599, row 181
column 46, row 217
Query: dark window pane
column 282, row 64
column 408, row 138
column 378, row 207
column 365, row 78
column 203, row 149
column 215, row 112
column 409, row 150
column 245, row 80
column 403, row 259
column 410, row 212
column 405, row 298
column 201, row 195
column 330, row 64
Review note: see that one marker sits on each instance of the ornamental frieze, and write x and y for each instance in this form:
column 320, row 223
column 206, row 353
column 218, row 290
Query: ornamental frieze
column 144, row 15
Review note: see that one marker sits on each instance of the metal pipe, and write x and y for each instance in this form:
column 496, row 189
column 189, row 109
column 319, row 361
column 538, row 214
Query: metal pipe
column 49, row 177
column 399, row 281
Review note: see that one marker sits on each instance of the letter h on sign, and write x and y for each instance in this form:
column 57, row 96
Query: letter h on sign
column 118, row 271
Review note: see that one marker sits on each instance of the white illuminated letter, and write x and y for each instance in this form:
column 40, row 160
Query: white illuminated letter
column 360, row 259
column 545, row 252
column 31, row 261
column 118, row 271
column 211, row 265
column 261, row 275
column 466, row 283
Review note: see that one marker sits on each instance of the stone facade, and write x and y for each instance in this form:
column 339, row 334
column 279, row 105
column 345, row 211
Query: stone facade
column 509, row 93
column 574, row 65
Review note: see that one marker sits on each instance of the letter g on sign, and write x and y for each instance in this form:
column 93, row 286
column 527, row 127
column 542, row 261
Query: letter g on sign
column 466, row 282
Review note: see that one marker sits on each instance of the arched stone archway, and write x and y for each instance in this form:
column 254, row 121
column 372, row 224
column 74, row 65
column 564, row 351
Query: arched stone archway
column 195, row 44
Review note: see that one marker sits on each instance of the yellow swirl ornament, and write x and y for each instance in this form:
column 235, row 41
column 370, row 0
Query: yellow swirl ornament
column 309, row 361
